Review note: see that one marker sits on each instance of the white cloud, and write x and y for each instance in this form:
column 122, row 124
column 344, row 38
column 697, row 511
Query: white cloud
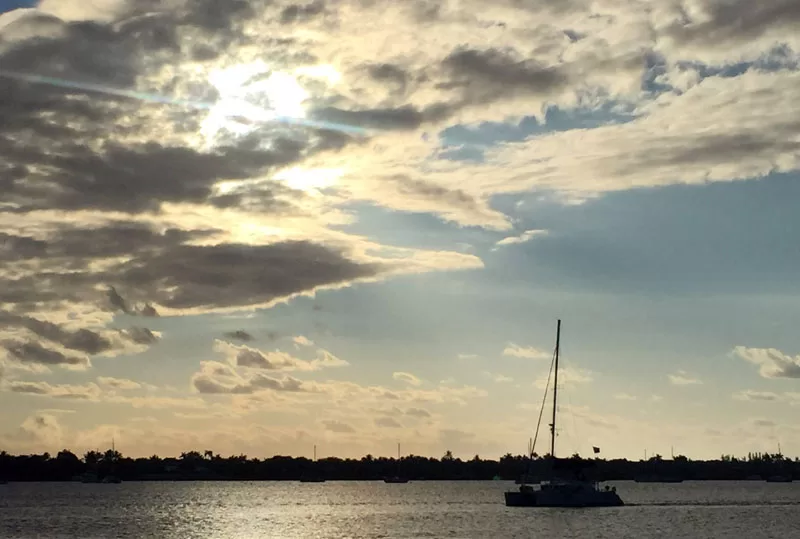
column 751, row 395
column 407, row 378
column 338, row 427
column 525, row 237
column 90, row 391
column 467, row 356
column 567, row 377
column 248, row 357
column 499, row 378
column 772, row 363
column 682, row 378
column 767, row 396
column 387, row 422
column 302, row 341
column 625, row 397
column 118, row 383
column 527, row 352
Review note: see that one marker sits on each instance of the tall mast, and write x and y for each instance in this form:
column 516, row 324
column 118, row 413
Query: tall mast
column 555, row 395
column 398, row 452
column 315, row 453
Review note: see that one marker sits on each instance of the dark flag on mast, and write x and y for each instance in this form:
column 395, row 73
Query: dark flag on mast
column 595, row 449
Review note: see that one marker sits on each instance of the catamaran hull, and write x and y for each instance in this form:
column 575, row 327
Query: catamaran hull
column 546, row 499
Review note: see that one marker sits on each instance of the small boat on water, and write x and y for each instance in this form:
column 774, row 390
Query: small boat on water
column 396, row 479
column 657, row 479
column 313, row 475
column 779, row 479
column 560, row 491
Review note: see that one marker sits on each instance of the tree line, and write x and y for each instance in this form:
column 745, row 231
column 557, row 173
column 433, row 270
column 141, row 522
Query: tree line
column 207, row 465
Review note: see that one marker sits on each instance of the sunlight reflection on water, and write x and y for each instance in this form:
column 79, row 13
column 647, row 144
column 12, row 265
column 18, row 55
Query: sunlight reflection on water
column 339, row 510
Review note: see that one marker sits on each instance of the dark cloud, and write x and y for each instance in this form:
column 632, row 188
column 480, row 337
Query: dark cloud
column 418, row 412
column 231, row 275
column 727, row 21
column 338, row 427
column 161, row 270
column 456, row 198
column 33, row 352
column 82, row 340
column 119, row 303
column 387, row 422
column 211, row 384
column 239, row 335
column 85, row 392
column 138, row 179
column 764, row 423
column 487, row 75
column 302, row 12
column 720, row 149
column 392, row 74
column 140, row 335
column 405, row 117
column 248, row 357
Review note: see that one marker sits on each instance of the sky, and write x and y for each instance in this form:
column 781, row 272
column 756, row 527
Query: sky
column 255, row 227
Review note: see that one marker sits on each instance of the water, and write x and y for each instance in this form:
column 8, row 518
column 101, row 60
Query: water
column 372, row 510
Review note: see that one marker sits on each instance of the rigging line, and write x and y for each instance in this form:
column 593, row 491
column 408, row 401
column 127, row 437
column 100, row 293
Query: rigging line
column 541, row 408
column 574, row 436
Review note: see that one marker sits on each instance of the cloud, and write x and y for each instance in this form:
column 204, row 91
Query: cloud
column 525, row 237
column 41, row 428
column 31, row 341
column 567, row 376
column 526, row 352
column 772, row 363
column 141, row 335
column 419, row 413
column 625, row 397
column 714, row 30
column 218, row 379
column 748, row 138
column 90, row 391
column 338, row 427
column 33, row 352
column 239, row 335
column 82, row 340
column 682, row 378
column 387, row 422
column 158, row 402
column 467, row 356
column 767, row 396
column 118, row 383
column 407, row 378
column 499, row 378
column 302, row 341
column 245, row 356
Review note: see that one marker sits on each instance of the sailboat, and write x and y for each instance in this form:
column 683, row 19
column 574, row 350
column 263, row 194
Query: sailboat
column 576, row 491
column 314, row 476
column 110, row 477
column 397, row 478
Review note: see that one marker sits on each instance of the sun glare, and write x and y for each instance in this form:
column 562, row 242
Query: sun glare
column 309, row 180
column 249, row 96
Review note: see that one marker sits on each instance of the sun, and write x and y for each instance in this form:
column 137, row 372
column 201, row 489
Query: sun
column 251, row 95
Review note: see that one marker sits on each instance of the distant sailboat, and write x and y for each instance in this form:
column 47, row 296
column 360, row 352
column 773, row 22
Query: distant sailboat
column 781, row 477
column 313, row 476
column 396, row 478
column 111, row 477
column 559, row 491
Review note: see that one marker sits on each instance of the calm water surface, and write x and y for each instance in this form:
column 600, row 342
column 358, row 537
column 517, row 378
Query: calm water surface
column 462, row 510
